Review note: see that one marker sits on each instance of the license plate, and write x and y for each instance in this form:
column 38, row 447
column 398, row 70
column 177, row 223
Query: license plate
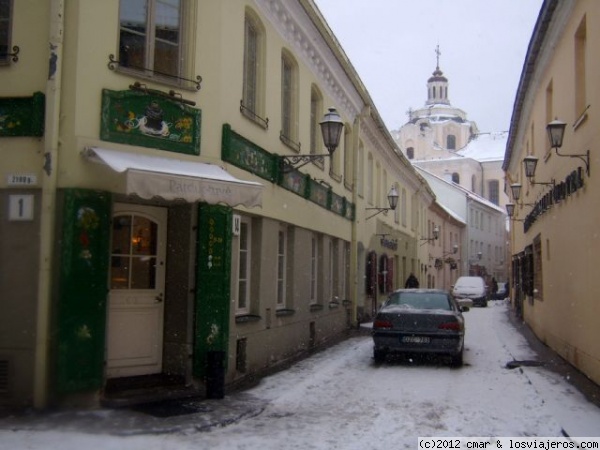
column 416, row 339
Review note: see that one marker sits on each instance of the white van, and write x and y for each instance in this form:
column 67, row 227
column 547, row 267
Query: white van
column 473, row 288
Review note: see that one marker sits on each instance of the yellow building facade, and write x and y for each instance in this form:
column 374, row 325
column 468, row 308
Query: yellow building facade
column 159, row 226
column 554, row 286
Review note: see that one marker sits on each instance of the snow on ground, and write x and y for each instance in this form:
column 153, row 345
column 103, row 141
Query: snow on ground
column 339, row 399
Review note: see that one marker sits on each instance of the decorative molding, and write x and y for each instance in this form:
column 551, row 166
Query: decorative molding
column 295, row 26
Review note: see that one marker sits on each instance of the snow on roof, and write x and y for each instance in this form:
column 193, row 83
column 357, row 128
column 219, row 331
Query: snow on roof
column 452, row 214
column 478, row 198
column 486, row 146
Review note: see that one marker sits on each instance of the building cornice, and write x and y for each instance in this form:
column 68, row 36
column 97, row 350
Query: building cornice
column 324, row 57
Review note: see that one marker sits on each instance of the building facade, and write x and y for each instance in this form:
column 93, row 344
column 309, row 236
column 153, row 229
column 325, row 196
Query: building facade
column 554, row 212
column 159, row 220
column 482, row 242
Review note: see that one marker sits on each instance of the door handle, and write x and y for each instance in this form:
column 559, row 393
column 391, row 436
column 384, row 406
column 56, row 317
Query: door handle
column 158, row 298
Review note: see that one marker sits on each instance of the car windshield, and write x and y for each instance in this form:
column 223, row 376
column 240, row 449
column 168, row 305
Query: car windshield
column 420, row 300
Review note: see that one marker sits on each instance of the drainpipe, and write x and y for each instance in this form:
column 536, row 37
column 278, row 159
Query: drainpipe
column 354, row 234
column 48, row 204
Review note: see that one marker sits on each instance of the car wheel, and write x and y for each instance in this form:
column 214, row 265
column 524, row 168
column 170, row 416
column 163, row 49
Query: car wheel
column 457, row 360
column 379, row 355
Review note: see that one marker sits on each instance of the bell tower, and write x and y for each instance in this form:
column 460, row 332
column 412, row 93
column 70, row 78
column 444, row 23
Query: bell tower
column 437, row 85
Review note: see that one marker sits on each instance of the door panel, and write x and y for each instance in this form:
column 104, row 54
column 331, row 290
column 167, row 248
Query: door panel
column 137, row 278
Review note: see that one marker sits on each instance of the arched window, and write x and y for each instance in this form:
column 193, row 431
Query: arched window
column 451, row 142
column 455, row 178
column 410, row 152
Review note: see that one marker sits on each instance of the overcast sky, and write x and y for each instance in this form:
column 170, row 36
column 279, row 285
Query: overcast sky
column 392, row 43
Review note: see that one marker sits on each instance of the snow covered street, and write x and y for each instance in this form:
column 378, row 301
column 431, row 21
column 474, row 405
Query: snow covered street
column 339, row 399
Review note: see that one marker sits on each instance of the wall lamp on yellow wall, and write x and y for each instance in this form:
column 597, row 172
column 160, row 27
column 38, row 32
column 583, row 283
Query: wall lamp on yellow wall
column 530, row 166
column 510, row 211
column 392, row 200
column 435, row 233
column 515, row 189
column 331, row 129
column 556, row 132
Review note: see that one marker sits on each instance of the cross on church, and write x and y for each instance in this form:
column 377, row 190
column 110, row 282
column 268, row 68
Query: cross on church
column 438, row 53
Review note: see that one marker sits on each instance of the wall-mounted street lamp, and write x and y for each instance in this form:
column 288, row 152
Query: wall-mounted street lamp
column 453, row 252
column 556, row 132
column 510, row 211
column 331, row 129
column 530, row 163
column 435, row 233
column 515, row 189
column 392, row 200
column 478, row 257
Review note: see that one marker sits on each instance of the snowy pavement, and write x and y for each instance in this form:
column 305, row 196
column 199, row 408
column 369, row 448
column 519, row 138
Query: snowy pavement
column 339, row 399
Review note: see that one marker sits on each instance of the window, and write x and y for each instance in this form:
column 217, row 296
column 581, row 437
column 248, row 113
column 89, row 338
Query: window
column 252, row 96
column 289, row 101
column 281, row 266
column 494, row 191
column 150, row 37
column 404, row 207
column 348, row 163
column 370, row 179
column 580, row 68
column 360, row 170
column 243, row 297
column 314, row 263
column 410, row 153
column 451, row 142
column 316, row 106
column 455, row 178
column 332, row 271
column 5, row 30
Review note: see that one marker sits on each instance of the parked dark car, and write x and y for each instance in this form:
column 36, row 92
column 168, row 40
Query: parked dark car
column 419, row 321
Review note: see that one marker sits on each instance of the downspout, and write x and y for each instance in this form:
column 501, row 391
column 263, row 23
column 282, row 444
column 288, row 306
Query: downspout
column 48, row 204
column 354, row 231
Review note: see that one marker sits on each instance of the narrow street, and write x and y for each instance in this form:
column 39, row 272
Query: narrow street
column 339, row 399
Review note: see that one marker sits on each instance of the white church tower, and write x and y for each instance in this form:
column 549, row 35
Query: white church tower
column 437, row 129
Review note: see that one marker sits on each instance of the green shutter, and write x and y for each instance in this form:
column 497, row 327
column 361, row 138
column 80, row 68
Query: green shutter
column 82, row 289
column 212, row 284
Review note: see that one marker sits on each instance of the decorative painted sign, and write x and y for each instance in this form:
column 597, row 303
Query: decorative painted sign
column 141, row 118
column 22, row 116
column 244, row 154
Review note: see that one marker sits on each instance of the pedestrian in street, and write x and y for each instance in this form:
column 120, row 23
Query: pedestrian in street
column 411, row 282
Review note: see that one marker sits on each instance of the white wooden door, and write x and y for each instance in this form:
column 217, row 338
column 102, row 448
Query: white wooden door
column 137, row 281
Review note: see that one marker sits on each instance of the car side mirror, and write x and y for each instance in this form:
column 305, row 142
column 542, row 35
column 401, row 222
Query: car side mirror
column 464, row 308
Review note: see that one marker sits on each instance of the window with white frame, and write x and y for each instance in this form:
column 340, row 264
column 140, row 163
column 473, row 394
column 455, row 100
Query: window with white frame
column 289, row 100
column 316, row 107
column 5, row 30
column 345, row 271
column 314, row 269
column 404, row 207
column 281, row 266
column 494, row 191
column 332, row 266
column 244, row 266
column 254, row 37
column 151, row 37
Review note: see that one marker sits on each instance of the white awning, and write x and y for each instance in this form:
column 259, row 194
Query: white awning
column 173, row 179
